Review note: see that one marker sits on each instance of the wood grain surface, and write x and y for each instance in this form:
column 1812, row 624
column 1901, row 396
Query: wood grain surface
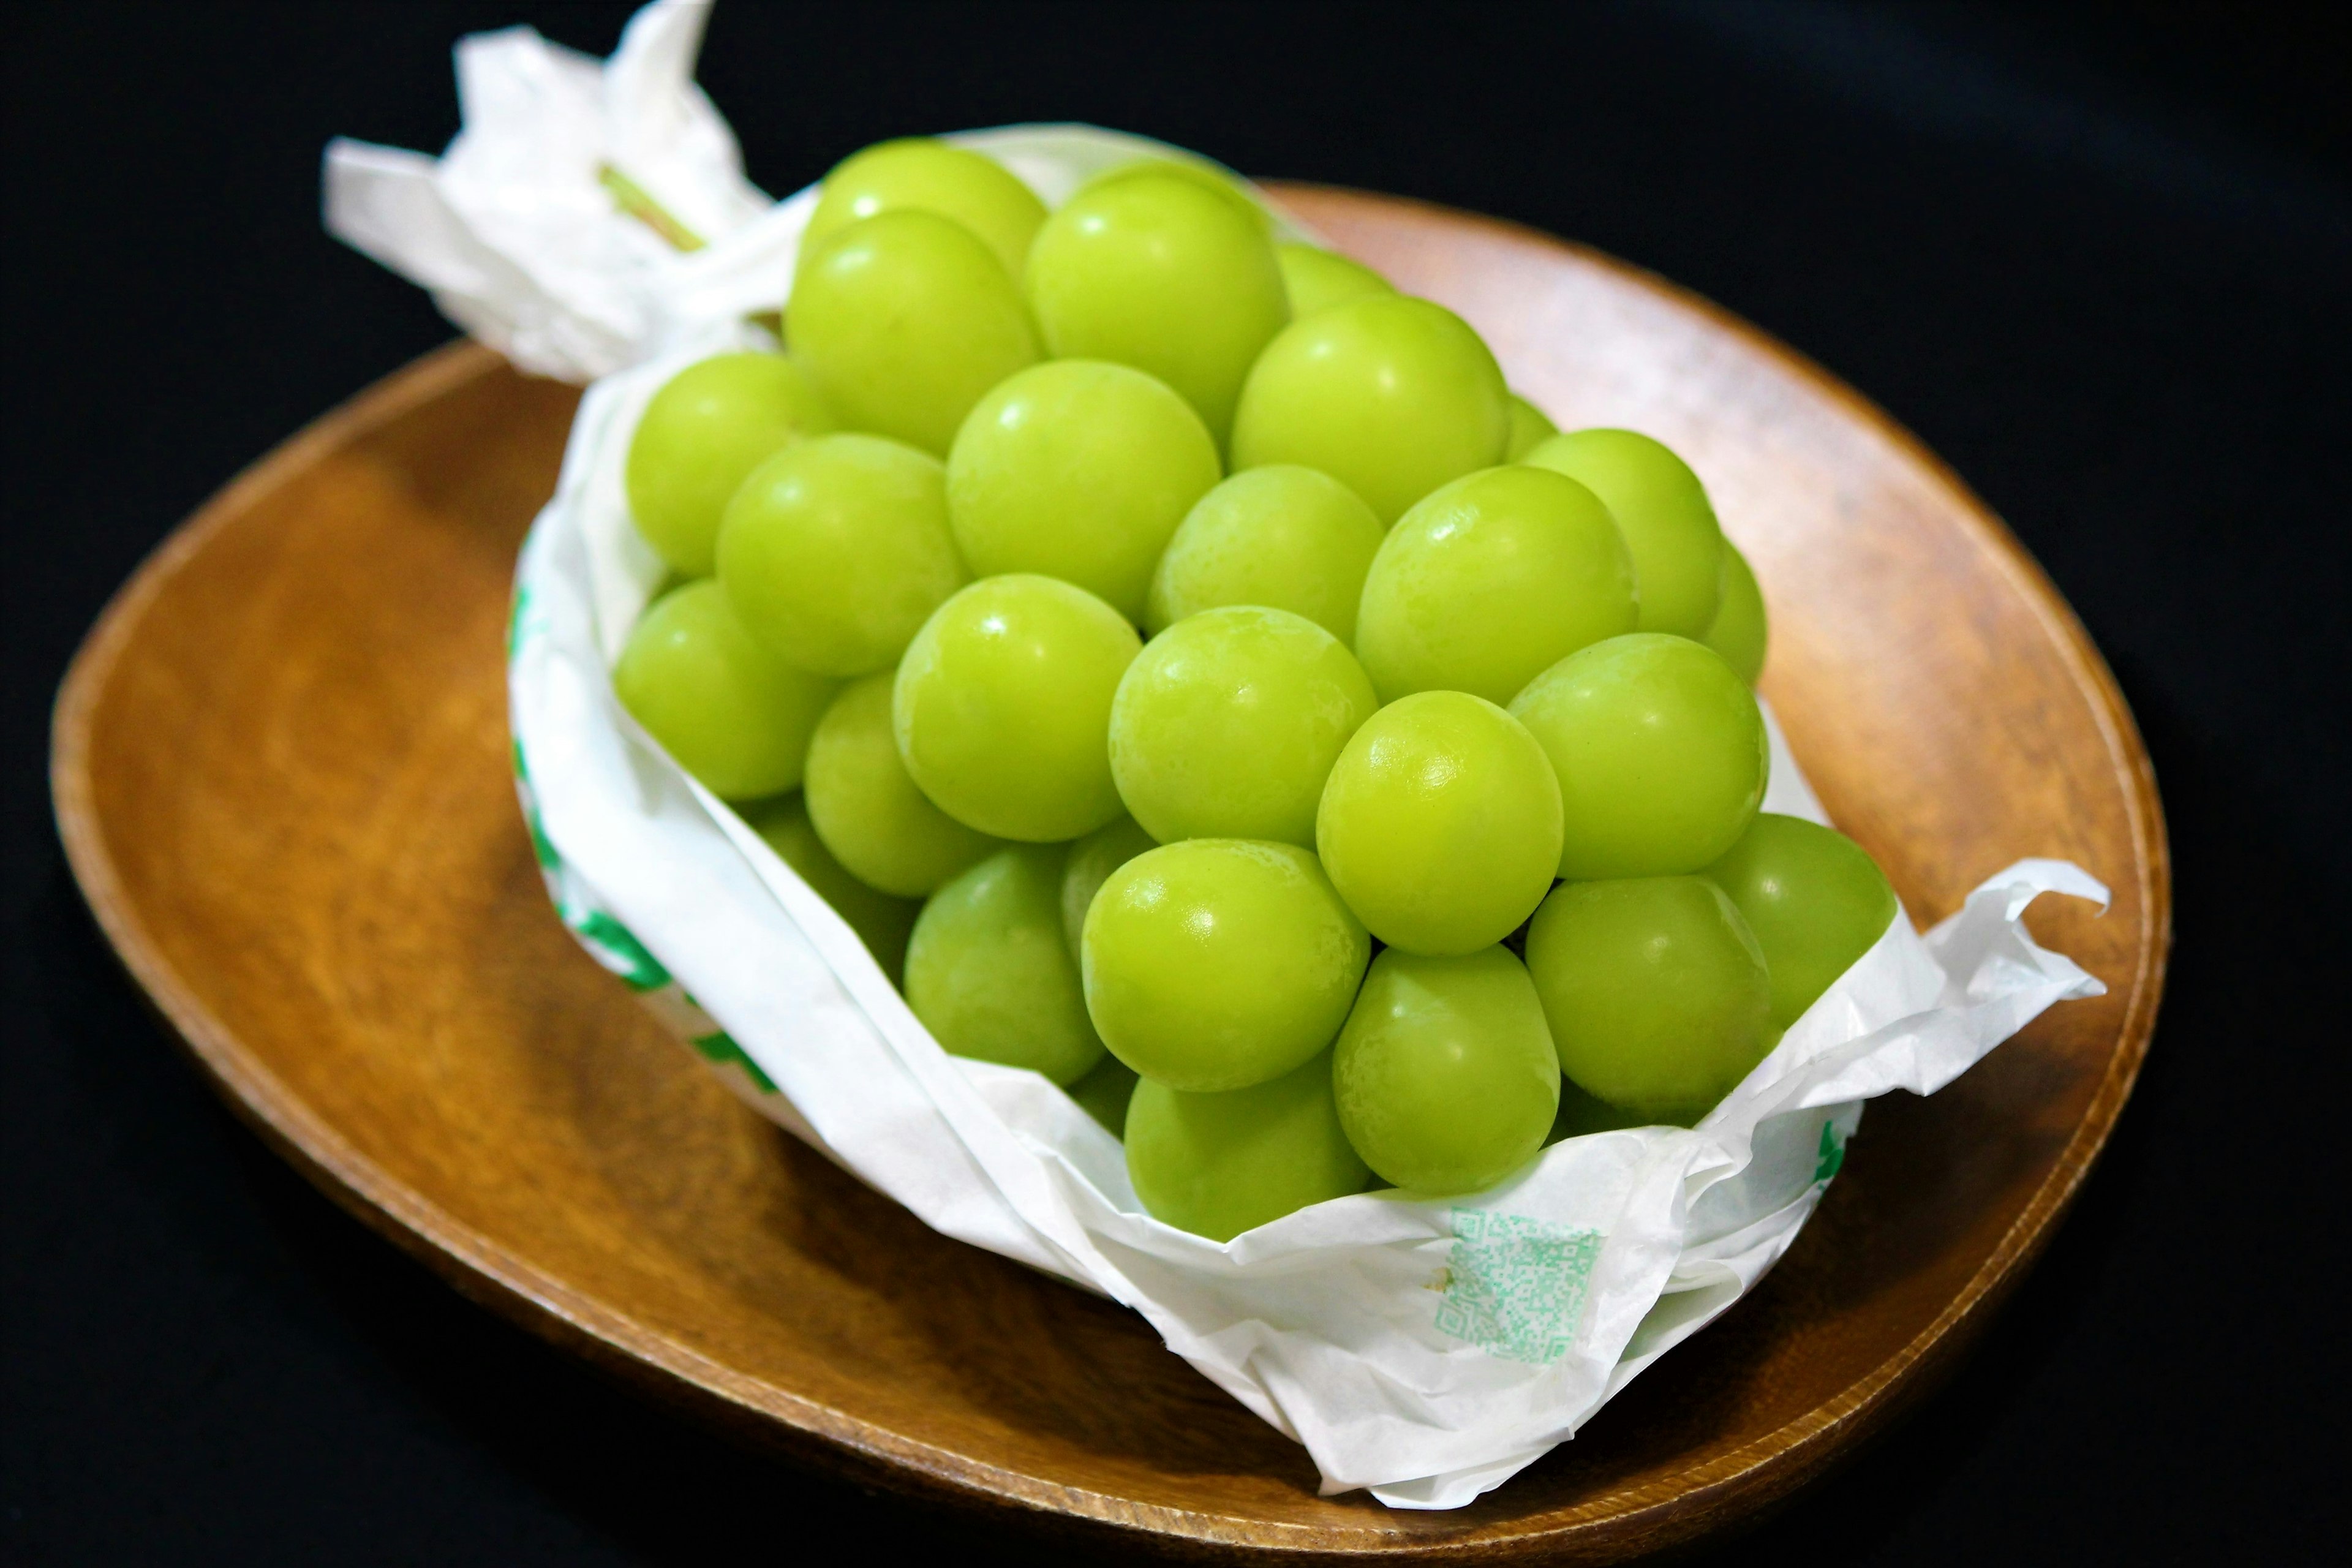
column 280, row 772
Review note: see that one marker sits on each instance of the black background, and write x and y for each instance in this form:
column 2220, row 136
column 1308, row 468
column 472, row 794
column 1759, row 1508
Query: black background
column 2101, row 262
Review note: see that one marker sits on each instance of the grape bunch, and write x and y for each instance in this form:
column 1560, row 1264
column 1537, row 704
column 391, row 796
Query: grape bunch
column 1199, row 678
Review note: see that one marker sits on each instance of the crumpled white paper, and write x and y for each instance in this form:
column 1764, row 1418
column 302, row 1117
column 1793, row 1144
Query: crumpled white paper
column 1427, row 1351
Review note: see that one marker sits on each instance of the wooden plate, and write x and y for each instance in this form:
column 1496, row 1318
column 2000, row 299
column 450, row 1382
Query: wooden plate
column 280, row 772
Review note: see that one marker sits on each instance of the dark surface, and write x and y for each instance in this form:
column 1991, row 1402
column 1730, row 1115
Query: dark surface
column 2102, row 264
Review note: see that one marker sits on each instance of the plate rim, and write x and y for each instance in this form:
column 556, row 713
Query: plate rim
column 1606, row 1525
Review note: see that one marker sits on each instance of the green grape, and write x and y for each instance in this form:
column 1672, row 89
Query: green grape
column 1655, row 991
column 1157, row 272
column 1815, row 899
column 1660, row 750
column 1092, row 861
column 1531, row 429
column 728, row 711
column 1219, row 1164
column 1229, row 722
column 709, row 426
column 1446, row 1075
column 1390, row 395
column 1663, row 511
column 1316, row 279
column 1001, row 707
column 1282, row 536
column 1080, row 469
column 1440, row 823
column 1491, row 581
column 1741, row 632
column 882, row 922
column 1216, row 963
column 868, row 811
column 837, row 550
column 1579, row 1113
column 917, row 171
column 987, row 972
column 1105, row 1093
column 905, row 319
column 1226, row 187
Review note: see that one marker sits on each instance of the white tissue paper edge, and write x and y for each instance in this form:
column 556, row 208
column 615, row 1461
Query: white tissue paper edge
column 1427, row 1351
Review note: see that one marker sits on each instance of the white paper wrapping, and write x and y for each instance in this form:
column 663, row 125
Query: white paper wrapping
column 522, row 244
column 1427, row 1351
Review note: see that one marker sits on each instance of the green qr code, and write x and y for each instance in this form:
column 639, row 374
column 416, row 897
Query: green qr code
column 1513, row 1286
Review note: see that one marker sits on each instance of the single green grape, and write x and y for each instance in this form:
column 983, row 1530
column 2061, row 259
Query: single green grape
column 1390, row 395
column 1660, row 750
column 1662, row 509
column 1216, row 963
column 868, row 811
column 1229, row 722
column 1655, row 991
column 1531, row 429
column 1282, row 536
column 1226, row 187
column 727, row 710
column 906, row 319
column 1446, row 1075
column 987, row 972
column 1440, row 824
column 1490, row 581
column 1219, row 1164
column 1157, row 272
column 1815, row 899
column 917, row 172
column 837, row 550
column 1317, row 279
column 1105, row 1093
column 709, row 426
column 1001, row 707
column 1092, row 861
column 881, row 921
column 1080, row 469
column 1741, row 632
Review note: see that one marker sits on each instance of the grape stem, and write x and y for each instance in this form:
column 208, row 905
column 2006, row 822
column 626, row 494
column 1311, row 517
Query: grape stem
column 638, row 202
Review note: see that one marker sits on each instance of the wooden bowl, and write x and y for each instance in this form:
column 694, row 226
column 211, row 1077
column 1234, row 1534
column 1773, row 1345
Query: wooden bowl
column 281, row 771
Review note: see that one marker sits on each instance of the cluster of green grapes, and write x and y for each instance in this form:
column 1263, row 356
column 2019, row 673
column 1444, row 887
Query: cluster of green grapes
column 1424, row 678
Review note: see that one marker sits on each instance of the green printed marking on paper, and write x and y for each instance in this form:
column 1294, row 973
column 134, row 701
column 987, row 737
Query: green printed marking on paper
column 542, row 849
column 1513, row 1286
column 525, row 622
column 622, row 953
column 1832, row 1153
column 720, row 1048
